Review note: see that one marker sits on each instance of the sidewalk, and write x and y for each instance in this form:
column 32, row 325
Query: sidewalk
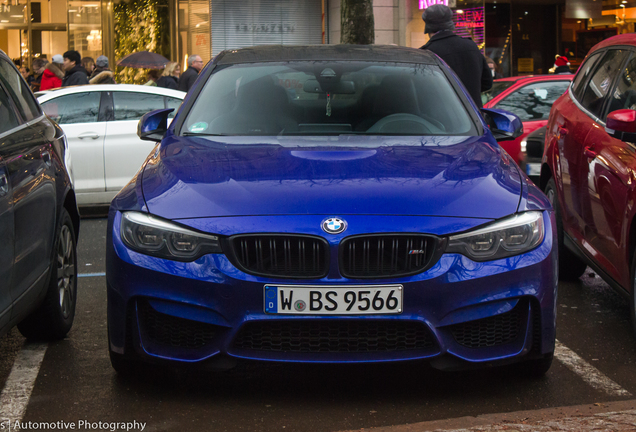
column 610, row 417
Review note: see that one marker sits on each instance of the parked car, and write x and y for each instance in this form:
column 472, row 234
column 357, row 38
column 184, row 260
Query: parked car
column 588, row 166
column 534, row 153
column 100, row 122
column 530, row 98
column 39, row 222
column 364, row 214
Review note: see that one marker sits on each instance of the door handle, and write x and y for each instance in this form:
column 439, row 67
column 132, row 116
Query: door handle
column 4, row 183
column 46, row 157
column 590, row 153
column 91, row 135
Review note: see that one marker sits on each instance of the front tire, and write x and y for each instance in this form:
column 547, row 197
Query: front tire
column 571, row 267
column 54, row 318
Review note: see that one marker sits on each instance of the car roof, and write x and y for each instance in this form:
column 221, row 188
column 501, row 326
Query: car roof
column 52, row 94
column 623, row 39
column 551, row 77
column 282, row 53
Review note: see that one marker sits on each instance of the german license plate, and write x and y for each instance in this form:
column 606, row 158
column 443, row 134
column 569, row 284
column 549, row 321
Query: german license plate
column 333, row 300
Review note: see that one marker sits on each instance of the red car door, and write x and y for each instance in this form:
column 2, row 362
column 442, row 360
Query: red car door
column 611, row 184
column 572, row 124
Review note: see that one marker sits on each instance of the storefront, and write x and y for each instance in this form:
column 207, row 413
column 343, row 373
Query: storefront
column 206, row 28
column 55, row 27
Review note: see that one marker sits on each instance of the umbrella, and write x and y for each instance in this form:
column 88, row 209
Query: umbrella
column 143, row 59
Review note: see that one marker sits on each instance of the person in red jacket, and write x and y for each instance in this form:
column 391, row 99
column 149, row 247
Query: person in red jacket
column 53, row 74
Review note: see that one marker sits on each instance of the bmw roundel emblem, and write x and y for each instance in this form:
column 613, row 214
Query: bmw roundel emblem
column 334, row 225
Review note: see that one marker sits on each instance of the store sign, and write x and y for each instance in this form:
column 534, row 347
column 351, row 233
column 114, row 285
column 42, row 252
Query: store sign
column 525, row 64
column 271, row 28
column 427, row 3
column 470, row 18
column 12, row 13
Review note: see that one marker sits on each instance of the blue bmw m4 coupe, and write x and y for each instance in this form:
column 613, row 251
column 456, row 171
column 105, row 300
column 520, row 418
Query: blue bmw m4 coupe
column 331, row 204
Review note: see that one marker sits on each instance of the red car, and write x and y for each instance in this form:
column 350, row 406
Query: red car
column 530, row 98
column 588, row 167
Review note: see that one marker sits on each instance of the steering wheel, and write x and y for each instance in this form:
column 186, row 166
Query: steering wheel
column 404, row 123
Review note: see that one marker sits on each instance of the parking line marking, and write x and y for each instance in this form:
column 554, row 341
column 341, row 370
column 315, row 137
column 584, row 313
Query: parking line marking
column 589, row 373
column 91, row 274
column 17, row 390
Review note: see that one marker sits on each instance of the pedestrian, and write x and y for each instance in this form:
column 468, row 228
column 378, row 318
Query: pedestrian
column 561, row 65
column 39, row 66
column 75, row 74
column 101, row 74
column 190, row 75
column 170, row 77
column 25, row 72
column 53, row 73
column 152, row 76
column 461, row 54
column 89, row 64
column 494, row 68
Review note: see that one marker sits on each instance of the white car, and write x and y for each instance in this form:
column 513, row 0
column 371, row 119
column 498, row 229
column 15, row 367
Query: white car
column 100, row 122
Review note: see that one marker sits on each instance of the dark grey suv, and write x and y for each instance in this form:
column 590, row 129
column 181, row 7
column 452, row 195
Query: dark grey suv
column 39, row 221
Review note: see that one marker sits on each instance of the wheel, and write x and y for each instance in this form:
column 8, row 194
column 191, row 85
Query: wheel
column 54, row 318
column 571, row 267
column 536, row 368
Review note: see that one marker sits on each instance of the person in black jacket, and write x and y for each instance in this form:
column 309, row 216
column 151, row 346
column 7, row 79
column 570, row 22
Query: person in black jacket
column 190, row 76
column 101, row 74
column 462, row 55
column 561, row 65
column 170, row 76
column 75, row 72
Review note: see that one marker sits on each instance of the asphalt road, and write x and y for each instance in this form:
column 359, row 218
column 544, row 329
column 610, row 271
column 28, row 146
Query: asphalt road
column 76, row 383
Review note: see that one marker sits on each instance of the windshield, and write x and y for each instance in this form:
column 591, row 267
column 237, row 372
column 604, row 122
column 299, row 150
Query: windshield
column 328, row 98
column 497, row 88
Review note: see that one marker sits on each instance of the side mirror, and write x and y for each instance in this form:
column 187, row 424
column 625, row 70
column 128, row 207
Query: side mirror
column 621, row 124
column 153, row 125
column 504, row 125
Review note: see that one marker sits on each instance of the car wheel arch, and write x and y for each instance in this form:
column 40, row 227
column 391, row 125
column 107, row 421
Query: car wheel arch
column 70, row 204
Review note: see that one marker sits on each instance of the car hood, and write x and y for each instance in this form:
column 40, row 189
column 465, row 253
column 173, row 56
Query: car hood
column 191, row 177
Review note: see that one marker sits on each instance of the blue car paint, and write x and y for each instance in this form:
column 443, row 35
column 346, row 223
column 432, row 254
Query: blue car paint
column 441, row 176
column 230, row 185
column 227, row 295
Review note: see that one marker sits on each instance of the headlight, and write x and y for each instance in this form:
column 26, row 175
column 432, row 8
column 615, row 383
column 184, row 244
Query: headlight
column 508, row 237
column 157, row 237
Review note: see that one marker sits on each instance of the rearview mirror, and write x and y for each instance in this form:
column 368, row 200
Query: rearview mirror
column 621, row 124
column 340, row 87
column 153, row 125
column 504, row 125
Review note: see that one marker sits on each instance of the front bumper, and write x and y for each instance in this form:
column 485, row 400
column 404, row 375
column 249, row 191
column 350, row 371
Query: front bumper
column 193, row 312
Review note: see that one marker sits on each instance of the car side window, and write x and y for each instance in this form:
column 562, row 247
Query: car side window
column 624, row 97
column 9, row 119
column 74, row 108
column 173, row 103
column 584, row 72
column 19, row 91
column 132, row 106
column 600, row 83
column 534, row 101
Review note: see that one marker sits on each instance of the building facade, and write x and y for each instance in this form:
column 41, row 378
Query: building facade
column 522, row 36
